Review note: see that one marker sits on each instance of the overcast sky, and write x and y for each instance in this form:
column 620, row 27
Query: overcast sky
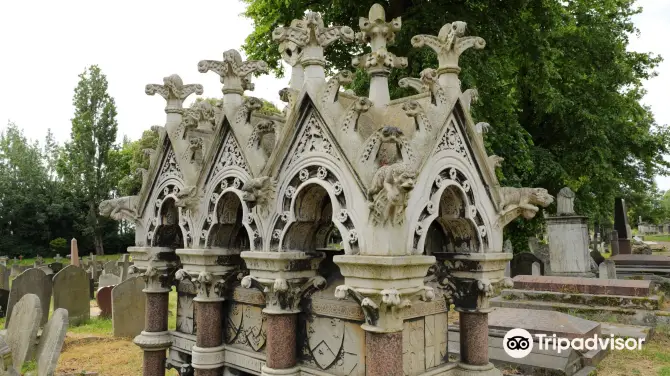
column 45, row 45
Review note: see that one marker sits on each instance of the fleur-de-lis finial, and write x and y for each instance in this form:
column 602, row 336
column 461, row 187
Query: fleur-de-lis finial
column 173, row 91
column 235, row 73
column 449, row 44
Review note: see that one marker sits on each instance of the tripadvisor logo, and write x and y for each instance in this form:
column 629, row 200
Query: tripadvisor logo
column 518, row 343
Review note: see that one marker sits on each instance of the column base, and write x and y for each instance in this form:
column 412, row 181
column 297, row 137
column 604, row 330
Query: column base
column 265, row 371
column 463, row 369
column 207, row 357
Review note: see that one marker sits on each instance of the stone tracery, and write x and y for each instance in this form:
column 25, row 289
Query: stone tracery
column 248, row 205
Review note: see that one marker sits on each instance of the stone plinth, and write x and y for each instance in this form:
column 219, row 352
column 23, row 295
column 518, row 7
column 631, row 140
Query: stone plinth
column 569, row 246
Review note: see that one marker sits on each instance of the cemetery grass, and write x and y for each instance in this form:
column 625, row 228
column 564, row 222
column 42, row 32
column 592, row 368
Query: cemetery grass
column 652, row 360
column 64, row 260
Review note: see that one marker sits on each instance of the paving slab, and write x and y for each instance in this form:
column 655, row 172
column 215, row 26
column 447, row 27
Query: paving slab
column 583, row 285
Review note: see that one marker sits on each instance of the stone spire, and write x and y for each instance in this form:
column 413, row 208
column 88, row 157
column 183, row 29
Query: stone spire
column 235, row 74
column 302, row 43
column 449, row 44
column 378, row 63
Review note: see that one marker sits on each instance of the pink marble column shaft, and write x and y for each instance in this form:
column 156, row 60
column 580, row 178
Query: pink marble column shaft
column 208, row 316
column 474, row 338
column 281, row 341
column 153, row 363
column 383, row 354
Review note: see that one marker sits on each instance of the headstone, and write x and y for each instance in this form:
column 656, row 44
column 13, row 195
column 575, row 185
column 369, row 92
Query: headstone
column 614, row 242
column 74, row 253
column 4, row 277
column 565, row 202
column 597, row 257
column 93, row 268
column 124, row 264
column 104, row 299
column 51, row 342
column 111, row 267
column 536, row 268
column 621, row 226
column 108, row 280
column 39, row 261
column 47, row 270
column 32, row 281
column 3, row 260
column 522, row 264
column 58, row 257
column 56, row 266
column 128, row 307
column 71, row 292
column 4, row 299
column 27, row 314
column 607, row 270
column 569, row 245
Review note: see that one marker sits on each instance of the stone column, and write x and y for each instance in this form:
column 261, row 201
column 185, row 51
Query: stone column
column 212, row 272
column 159, row 266
column 285, row 278
column 383, row 354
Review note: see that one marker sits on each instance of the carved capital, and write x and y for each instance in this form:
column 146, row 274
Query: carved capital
column 235, row 73
column 449, row 44
column 211, row 287
column 308, row 32
column 157, row 279
column 382, row 310
column 173, row 91
column 282, row 295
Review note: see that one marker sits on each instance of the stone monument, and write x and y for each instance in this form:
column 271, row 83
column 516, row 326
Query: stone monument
column 622, row 227
column 74, row 253
column 407, row 184
column 569, row 239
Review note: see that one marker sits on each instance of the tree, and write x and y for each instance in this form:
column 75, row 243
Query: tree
column 84, row 164
column 557, row 84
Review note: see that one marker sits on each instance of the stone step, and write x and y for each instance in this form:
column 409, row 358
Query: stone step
column 630, row 302
column 600, row 313
column 644, row 260
column 583, row 285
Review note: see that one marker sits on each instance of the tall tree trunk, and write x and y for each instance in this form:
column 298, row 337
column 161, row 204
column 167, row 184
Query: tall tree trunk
column 97, row 231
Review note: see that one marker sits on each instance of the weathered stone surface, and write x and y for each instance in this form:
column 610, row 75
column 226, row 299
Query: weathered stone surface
column 565, row 201
column 51, row 342
column 128, row 307
column 536, row 270
column 108, row 280
column 597, row 257
column 104, row 299
column 607, row 270
column 640, row 248
column 641, row 260
column 583, row 285
column 569, row 245
column 32, row 281
column 4, row 277
column 111, row 267
column 542, row 322
column 71, row 292
column 27, row 314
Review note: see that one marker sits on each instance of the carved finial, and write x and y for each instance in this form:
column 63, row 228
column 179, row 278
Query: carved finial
column 378, row 63
column 235, row 74
column 449, row 44
column 173, row 91
column 302, row 43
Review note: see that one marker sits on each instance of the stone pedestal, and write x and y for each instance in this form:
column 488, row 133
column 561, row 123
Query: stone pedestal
column 569, row 246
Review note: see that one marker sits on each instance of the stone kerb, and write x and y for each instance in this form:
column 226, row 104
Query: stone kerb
column 71, row 292
column 584, row 285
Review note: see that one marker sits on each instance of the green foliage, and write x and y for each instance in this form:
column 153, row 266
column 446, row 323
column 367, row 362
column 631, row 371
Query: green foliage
column 58, row 244
column 556, row 83
column 86, row 162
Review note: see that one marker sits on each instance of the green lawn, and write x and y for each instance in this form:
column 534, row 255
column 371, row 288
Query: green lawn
column 657, row 238
column 64, row 260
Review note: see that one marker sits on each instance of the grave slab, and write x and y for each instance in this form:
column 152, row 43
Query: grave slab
column 32, row 281
column 71, row 292
column 641, row 260
column 21, row 335
column 104, row 299
column 128, row 308
column 51, row 342
column 583, row 285
column 543, row 322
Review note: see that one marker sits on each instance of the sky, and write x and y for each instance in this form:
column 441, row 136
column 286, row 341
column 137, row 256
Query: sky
column 45, row 45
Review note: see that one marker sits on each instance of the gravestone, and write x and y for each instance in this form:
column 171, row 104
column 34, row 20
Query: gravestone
column 71, row 292
column 27, row 313
column 111, row 267
column 621, row 226
column 4, row 299
column 128, row 308
column 58, row 257
column 51, row 342
column 6, row 367
column 597, row 257
column 4, row 277
column 614, row 242
column 522, row 264
column 47, row 270
column 536, row 268
column 607, row 270
column 124, row 265
column 108, row 280
column 56, row 266
column 565, row 202
column 32, row 281
column 104, row 299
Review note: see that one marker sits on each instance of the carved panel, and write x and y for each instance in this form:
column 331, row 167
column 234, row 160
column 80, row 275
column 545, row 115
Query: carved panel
column 424, row 343
column 453, row 140
column 170, row 167
column 245, row 327
column 186, row 291
column 313, row 139
column 230, row 154
column 333, row 345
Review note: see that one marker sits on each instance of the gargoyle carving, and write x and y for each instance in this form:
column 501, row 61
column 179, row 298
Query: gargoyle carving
column 151, row 153
column 250, row 105
column 120, row 208
column 388, row 193
column 195, row 150
column 350, row 122
column 527, row 199
column 469, row 97
column 495, row 161
column 158, row 129
column 259, row 192
column 188, row 198
column 333, row 86
column 260, row 129
column 413, row 109
column 427, row 82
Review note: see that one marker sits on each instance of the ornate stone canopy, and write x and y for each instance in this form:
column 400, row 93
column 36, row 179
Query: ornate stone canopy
column 406, row 184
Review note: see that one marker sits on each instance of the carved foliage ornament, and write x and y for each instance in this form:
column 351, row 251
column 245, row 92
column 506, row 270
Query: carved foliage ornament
column 173, row 91
column 284, row 296
column 235, row 74
column 449, row 44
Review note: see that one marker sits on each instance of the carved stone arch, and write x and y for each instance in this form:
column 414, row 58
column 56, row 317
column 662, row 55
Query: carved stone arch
column 311, row 182
column 163, row 209
column 225, row 188
column 444, row 180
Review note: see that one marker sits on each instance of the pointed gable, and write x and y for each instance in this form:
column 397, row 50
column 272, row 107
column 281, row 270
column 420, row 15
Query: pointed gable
column 165, row 167
column 226, row 153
